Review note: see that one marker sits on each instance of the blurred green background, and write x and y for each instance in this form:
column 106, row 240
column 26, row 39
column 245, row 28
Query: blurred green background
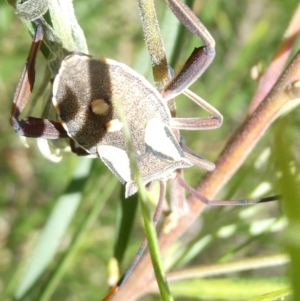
column 246, row 33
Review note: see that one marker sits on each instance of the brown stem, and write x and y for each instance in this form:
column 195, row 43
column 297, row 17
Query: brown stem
column 279, row 59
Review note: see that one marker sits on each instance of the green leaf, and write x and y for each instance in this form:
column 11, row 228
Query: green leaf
column 225, row 289
column 55, row 228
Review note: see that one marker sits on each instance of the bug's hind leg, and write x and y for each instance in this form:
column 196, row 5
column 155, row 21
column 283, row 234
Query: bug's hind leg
column 196, row 159
column 209, row 202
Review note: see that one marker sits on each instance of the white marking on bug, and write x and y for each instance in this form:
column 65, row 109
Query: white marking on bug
column 56, row 84
column 99, row 106
column 118, row 159
column 114, row 125
column 156, row 137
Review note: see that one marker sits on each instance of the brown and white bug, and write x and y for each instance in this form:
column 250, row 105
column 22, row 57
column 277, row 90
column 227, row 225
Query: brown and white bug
column 90, row 116
column 86, row 92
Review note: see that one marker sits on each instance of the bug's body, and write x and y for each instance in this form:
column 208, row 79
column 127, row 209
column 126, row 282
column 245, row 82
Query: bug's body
column 91, row 106
column 96, row 98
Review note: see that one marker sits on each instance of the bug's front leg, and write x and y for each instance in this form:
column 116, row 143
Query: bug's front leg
column 200, row 58
column 31, row 126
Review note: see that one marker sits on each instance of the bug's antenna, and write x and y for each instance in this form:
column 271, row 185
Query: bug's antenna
column 143, row 246
column 206, row 201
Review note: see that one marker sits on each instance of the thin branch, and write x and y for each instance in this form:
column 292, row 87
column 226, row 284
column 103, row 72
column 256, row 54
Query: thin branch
column 228, row 267
column 278, row 61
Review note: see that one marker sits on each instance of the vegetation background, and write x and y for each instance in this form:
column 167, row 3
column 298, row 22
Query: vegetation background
column 247, row 33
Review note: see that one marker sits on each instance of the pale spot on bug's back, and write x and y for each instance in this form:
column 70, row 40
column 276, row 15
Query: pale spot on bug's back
column 114, row 125
column 99, row 106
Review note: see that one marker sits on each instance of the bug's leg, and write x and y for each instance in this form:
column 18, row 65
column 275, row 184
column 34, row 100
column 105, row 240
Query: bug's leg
column 203, row 123
column 196, row 159
column 31, row 126
column 200, row 58
column 206, row 201
column 143, row 246
column 76, row 149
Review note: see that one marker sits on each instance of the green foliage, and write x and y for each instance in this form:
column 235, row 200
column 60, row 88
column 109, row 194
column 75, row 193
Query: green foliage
column 227, row 289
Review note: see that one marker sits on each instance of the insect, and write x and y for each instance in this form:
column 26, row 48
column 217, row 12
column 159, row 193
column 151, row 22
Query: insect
column 90, row 94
